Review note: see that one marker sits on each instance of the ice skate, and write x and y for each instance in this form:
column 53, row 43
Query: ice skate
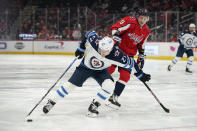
column 113, row 102
column 48, row 106
column 169, row 68
column 188, row 71
column 92, row 110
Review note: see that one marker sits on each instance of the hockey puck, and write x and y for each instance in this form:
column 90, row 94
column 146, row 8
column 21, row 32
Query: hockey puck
column 29, row 120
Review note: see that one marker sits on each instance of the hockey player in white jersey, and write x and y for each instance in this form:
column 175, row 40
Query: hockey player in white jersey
column 100, row 54
column 187, row 41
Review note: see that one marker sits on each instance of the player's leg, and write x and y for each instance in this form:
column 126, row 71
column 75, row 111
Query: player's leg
column 179, row 54
column 60, row 93
column 119, row 86
column 76, row 80
column 174, row 61
column 190, row 56
column 106, row 82
column 111, row 69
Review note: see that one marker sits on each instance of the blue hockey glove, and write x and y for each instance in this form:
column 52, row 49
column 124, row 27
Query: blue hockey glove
column 79, row 53
column 142, row 76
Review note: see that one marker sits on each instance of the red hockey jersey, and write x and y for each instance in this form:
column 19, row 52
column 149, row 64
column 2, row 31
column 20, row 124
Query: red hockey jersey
column 132, row 34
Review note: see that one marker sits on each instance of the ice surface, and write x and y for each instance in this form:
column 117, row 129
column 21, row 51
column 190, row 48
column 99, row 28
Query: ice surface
column 24, row 79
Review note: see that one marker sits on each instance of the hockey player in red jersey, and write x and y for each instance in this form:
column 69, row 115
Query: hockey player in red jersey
column 131, row 33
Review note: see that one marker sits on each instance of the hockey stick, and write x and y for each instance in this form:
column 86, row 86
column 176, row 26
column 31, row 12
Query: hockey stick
column 52, row 86
column 164, row 108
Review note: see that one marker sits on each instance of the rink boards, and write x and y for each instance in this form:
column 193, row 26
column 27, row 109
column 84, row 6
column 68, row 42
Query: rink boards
column 154, row 50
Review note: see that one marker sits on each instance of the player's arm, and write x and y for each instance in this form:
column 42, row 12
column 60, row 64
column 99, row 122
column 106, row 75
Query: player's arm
column 118, row 58
column 139, row 65
column 181, row 38
column 81, row 49
column 120, row 27
column 141, row 54
column 140, row 74
column 195, row 40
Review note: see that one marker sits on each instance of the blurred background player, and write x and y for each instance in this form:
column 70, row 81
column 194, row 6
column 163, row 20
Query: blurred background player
column 184, row 49
column 100, row 54
column 131, row 33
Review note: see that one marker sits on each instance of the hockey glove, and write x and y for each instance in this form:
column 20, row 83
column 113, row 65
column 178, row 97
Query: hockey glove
column 117, row 38
column 142, row 76
column 140, row 60
column 79, row 53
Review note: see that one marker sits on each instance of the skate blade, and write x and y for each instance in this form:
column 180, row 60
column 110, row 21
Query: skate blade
column 187, row 73
column 112, row 106
column 169, row 69
column 92, row 115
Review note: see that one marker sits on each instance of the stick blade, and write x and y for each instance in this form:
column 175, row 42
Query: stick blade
column 165, row 109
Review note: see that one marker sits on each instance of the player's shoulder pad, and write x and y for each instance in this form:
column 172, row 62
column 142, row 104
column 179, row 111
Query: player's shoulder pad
column 129, row 19
column 186, row 32
column 132, row 19
column 90, row 33
column 195, row 33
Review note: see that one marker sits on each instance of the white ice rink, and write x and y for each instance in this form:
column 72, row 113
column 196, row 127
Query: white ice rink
column 24, row 79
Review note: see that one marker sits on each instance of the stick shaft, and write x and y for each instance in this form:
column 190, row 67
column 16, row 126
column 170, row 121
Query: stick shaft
column 164, row 108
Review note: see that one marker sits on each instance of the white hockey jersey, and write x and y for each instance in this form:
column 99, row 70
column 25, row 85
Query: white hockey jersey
column 93, row 60
column 188, row 39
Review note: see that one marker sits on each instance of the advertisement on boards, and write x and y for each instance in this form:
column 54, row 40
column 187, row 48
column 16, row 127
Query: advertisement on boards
column 151, row 50
column 15, row 46
column 3, row 45
column 55, row 46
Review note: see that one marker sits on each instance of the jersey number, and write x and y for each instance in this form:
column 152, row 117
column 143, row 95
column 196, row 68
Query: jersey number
column 92, row 38
column 122, row 21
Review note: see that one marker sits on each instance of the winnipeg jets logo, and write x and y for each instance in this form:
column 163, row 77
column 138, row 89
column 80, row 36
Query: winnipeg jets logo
column 189, row 42
column 96, row 63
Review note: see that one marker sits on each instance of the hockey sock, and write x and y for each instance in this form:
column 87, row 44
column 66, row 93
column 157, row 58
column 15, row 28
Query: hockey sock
column 62, row 91
column 105, row 92
column 189, row 62
column 119, row 88
column 175, row 60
